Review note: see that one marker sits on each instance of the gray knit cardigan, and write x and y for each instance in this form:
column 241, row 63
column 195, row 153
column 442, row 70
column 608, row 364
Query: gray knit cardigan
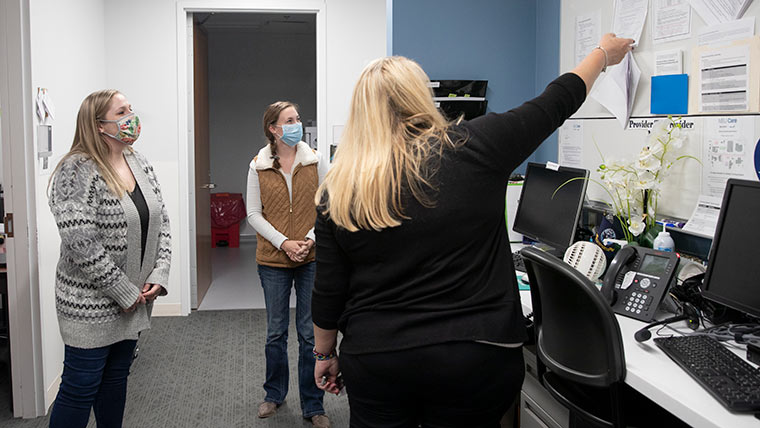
column 99, row 271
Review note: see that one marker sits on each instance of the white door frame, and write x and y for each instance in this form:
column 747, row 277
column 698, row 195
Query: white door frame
column 185, row 128
column 16, row 127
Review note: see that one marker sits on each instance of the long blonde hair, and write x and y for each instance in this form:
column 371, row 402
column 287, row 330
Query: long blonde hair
column 392, row 131
column 90, row 142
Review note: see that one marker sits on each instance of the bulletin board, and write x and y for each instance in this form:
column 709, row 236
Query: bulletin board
column 603, row 136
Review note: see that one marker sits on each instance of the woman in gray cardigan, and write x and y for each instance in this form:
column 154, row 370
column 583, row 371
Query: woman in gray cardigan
column 114, row 262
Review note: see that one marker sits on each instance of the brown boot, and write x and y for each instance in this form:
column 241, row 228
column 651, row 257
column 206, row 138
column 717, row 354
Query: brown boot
column 267, row 409
column 320, row 421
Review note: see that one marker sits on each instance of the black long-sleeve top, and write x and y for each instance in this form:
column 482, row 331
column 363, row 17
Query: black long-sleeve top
column 445, row 274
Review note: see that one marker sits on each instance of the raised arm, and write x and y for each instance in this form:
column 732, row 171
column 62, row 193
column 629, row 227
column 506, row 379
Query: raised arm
column 505, row 140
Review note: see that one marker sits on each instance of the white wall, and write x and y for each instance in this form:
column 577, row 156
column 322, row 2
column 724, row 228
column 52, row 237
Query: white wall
column 248, row 70
column 356, row 34
column 68, row 58
column 140, row 61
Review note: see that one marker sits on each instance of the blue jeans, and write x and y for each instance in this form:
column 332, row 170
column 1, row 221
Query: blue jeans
column 93, row 379
column 277, row 283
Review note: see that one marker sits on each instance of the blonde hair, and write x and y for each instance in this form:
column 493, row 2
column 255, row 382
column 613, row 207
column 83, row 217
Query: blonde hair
column 88, row 140
column 392, row 131
column 271, row 116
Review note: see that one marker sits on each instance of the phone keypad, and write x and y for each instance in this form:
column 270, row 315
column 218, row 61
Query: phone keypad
column 636, row 303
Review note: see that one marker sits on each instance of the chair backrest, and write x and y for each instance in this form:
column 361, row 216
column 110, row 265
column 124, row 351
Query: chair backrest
column 577, row 335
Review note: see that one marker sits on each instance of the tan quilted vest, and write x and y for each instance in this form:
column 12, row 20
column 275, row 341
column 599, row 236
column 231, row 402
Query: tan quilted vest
column 292, row 221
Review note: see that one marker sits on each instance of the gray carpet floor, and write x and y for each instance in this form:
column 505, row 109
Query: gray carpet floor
column 203, row 370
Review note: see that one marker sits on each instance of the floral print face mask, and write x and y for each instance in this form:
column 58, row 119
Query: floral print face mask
column 129, row 128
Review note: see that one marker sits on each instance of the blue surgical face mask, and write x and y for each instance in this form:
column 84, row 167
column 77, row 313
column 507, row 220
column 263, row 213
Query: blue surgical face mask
column 291, row 133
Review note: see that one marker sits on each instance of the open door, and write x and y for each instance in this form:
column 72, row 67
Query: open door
column 203, row 184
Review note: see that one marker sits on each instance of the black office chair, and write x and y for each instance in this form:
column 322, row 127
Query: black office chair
column 578, row 340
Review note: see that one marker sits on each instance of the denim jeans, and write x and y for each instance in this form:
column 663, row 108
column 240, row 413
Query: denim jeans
column 93, row 379
column 277, row 283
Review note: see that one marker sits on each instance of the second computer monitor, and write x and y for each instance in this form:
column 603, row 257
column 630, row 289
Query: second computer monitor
column 733, row 271
column 550, row 204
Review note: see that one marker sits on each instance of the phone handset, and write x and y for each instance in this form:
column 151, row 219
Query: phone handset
column 645, row 276
column 622, row 258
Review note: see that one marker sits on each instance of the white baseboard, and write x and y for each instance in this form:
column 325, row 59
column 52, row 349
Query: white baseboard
column 166, row 310
column 51, row 392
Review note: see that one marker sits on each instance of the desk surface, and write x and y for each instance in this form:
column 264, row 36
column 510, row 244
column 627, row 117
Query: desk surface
column 655, row 375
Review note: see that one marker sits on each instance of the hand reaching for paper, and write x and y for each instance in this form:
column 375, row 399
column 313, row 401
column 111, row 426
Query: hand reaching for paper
column 616, row 47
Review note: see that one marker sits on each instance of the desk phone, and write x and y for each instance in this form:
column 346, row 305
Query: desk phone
column 637, row 280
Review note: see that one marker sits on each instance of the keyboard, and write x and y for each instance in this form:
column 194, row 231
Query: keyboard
column 725, row 375
column 518, row 261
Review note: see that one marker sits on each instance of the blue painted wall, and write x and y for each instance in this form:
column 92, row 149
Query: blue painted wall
column 547, row 63
column 513, row 44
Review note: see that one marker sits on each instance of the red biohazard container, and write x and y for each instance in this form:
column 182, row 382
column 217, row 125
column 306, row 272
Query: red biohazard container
column 227, row 210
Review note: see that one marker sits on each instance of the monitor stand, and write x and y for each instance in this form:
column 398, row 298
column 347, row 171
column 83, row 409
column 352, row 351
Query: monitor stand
column 559, row 253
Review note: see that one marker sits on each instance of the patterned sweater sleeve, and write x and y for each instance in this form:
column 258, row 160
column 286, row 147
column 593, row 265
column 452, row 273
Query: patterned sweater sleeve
column 160, row 273
column 73, row 202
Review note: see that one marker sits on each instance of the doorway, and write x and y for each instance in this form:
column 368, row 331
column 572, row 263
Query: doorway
column 22, row 362
column 253, row 60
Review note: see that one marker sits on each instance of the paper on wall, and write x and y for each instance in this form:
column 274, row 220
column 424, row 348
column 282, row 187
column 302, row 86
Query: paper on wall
column 587, row 34
column 727, row 32
column 704, row 219
column 47, row 103
column 571, row 143
column 629, row 17
column 717, row 11
column 724, row 79
column 668, row 62
column 727, row 152
column 671, row 20
column 617, row 89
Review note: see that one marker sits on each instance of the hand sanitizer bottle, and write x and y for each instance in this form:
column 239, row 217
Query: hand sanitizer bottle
column 663, row 241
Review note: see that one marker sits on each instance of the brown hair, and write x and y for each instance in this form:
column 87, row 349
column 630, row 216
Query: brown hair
column 88, row 140
column 271, row 115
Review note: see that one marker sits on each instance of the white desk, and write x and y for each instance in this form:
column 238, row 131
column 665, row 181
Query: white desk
column 656, row 376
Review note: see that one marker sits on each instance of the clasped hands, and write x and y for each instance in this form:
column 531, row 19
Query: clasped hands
column 297, row 250
column 148, row 294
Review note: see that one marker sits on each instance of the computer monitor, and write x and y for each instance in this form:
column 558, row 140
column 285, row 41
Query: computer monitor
column 548, row 215
column 733, row 270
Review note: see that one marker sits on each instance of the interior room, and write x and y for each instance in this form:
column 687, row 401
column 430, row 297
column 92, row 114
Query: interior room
column 253, row 61
column 623, row 239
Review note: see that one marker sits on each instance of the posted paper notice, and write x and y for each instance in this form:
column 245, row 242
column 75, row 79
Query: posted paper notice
column 671, row 20
column 587, row 34
column 668, row 62
column 727, row 152
column 704, row 219
column 629, row 17
column 724, row 77
column 571, row 143
column 727, row 32
column 717, row 11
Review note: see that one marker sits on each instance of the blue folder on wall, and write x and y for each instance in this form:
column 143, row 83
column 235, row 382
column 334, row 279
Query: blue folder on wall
column 670, row 94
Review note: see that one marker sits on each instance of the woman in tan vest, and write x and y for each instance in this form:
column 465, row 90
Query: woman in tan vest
column 282, row 181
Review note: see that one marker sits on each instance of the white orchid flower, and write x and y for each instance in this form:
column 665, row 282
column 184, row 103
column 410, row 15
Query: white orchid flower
column 636, row 225
column 645, row 180
column 648, row 163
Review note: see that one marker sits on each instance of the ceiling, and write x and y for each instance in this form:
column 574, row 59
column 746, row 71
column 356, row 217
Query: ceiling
column 258, row 22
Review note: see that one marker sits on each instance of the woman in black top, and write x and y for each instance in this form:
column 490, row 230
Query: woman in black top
column 413, row 263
